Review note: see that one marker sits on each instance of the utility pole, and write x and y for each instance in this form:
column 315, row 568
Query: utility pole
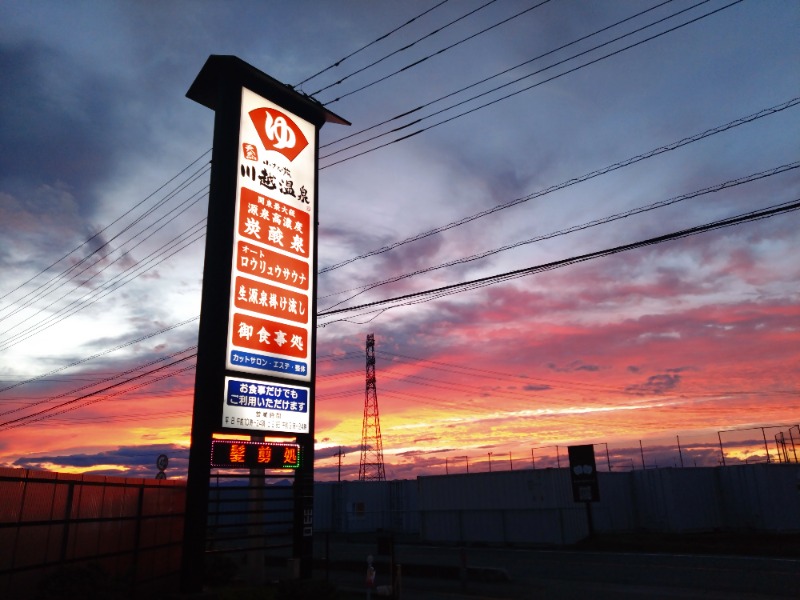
column 340, row 454
column 641, row 451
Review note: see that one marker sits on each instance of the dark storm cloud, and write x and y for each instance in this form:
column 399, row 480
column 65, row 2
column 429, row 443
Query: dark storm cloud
column 126, row 456
column 323, row 453
column 656, row 384
column 57, row 120
column 575, row 365
column 530, row 387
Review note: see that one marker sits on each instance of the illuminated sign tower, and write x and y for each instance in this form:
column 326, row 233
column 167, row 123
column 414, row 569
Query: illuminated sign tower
column 257, row 340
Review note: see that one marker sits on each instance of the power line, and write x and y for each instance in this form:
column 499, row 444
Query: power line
column 518, row 79
column 432, row 294
column 43, row 294
column 440, row 292
column 437, row 53
column 525, row 89
column 106, row 379
column 404, row 48
column 70, row 403
column 574, row 228
column 580, row 179
column 194, row 234
column 90, row 239
column 495, row 374
column 373, row 42
column 98, row 354
column 96, row 400
column 324, row 312
column 499, row 74
column 186, row 205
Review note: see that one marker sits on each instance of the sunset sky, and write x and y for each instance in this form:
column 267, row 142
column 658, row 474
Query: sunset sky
column 487, row 137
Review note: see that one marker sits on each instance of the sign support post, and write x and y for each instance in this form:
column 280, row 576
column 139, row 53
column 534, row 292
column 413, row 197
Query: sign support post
column 257, row 337
column 583, row 474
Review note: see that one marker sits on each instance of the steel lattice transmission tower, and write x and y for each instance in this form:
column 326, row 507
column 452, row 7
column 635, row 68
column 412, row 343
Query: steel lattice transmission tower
column 371, row 467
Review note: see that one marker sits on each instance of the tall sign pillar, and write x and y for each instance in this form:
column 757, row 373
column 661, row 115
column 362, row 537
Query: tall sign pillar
column 257, row 338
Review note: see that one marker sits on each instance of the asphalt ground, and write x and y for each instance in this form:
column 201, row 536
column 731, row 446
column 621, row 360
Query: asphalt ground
column 704, row 567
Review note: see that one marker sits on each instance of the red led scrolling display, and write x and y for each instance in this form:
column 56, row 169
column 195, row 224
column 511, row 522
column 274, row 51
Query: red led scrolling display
column 235, row 454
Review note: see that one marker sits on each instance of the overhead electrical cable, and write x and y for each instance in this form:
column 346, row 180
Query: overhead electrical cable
column 514, row 81
column 372, row 43
column 717, row 187
column 164, row 220
column 501, row 73
column 437, row 53
column 73, row 273
column 509, row 83
column 520, row 91
column 148, row 416
column 433, row 294
column 98, row 354
column 428, row 295
column 572, row 229
column 51, row 410
column 72, row 404
column 587, row 176
column 93, row 400
column 102, row 381
column 184, row 240
column 403, row 49
column 472, row 370
column 37, row 291
column 198, row 227
column 20, row 286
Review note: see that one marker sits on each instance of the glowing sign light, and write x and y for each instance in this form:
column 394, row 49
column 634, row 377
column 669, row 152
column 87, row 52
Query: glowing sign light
column 272, row 283
column 236, row 454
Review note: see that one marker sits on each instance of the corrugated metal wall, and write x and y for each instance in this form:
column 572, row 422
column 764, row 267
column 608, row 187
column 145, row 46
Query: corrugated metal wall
column 536, row 506
column 131, row 528
column 360, row 506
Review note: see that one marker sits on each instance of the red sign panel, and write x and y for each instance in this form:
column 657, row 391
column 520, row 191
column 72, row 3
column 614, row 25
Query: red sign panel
column 269, row 336
column 278, row 132
column 270, row 300
column 269, row 265
column 273, row 223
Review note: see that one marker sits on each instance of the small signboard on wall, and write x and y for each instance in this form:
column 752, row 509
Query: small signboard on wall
column 583, row 472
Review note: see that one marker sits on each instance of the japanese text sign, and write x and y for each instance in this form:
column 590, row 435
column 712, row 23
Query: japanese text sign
column 232, row 454
column 265, row 407
column 583, row 473
column 269, row 324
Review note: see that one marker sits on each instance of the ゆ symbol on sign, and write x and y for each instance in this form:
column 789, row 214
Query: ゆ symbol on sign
column 279, row 132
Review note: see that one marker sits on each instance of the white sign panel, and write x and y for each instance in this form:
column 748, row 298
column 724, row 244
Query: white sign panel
column 269, row 326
